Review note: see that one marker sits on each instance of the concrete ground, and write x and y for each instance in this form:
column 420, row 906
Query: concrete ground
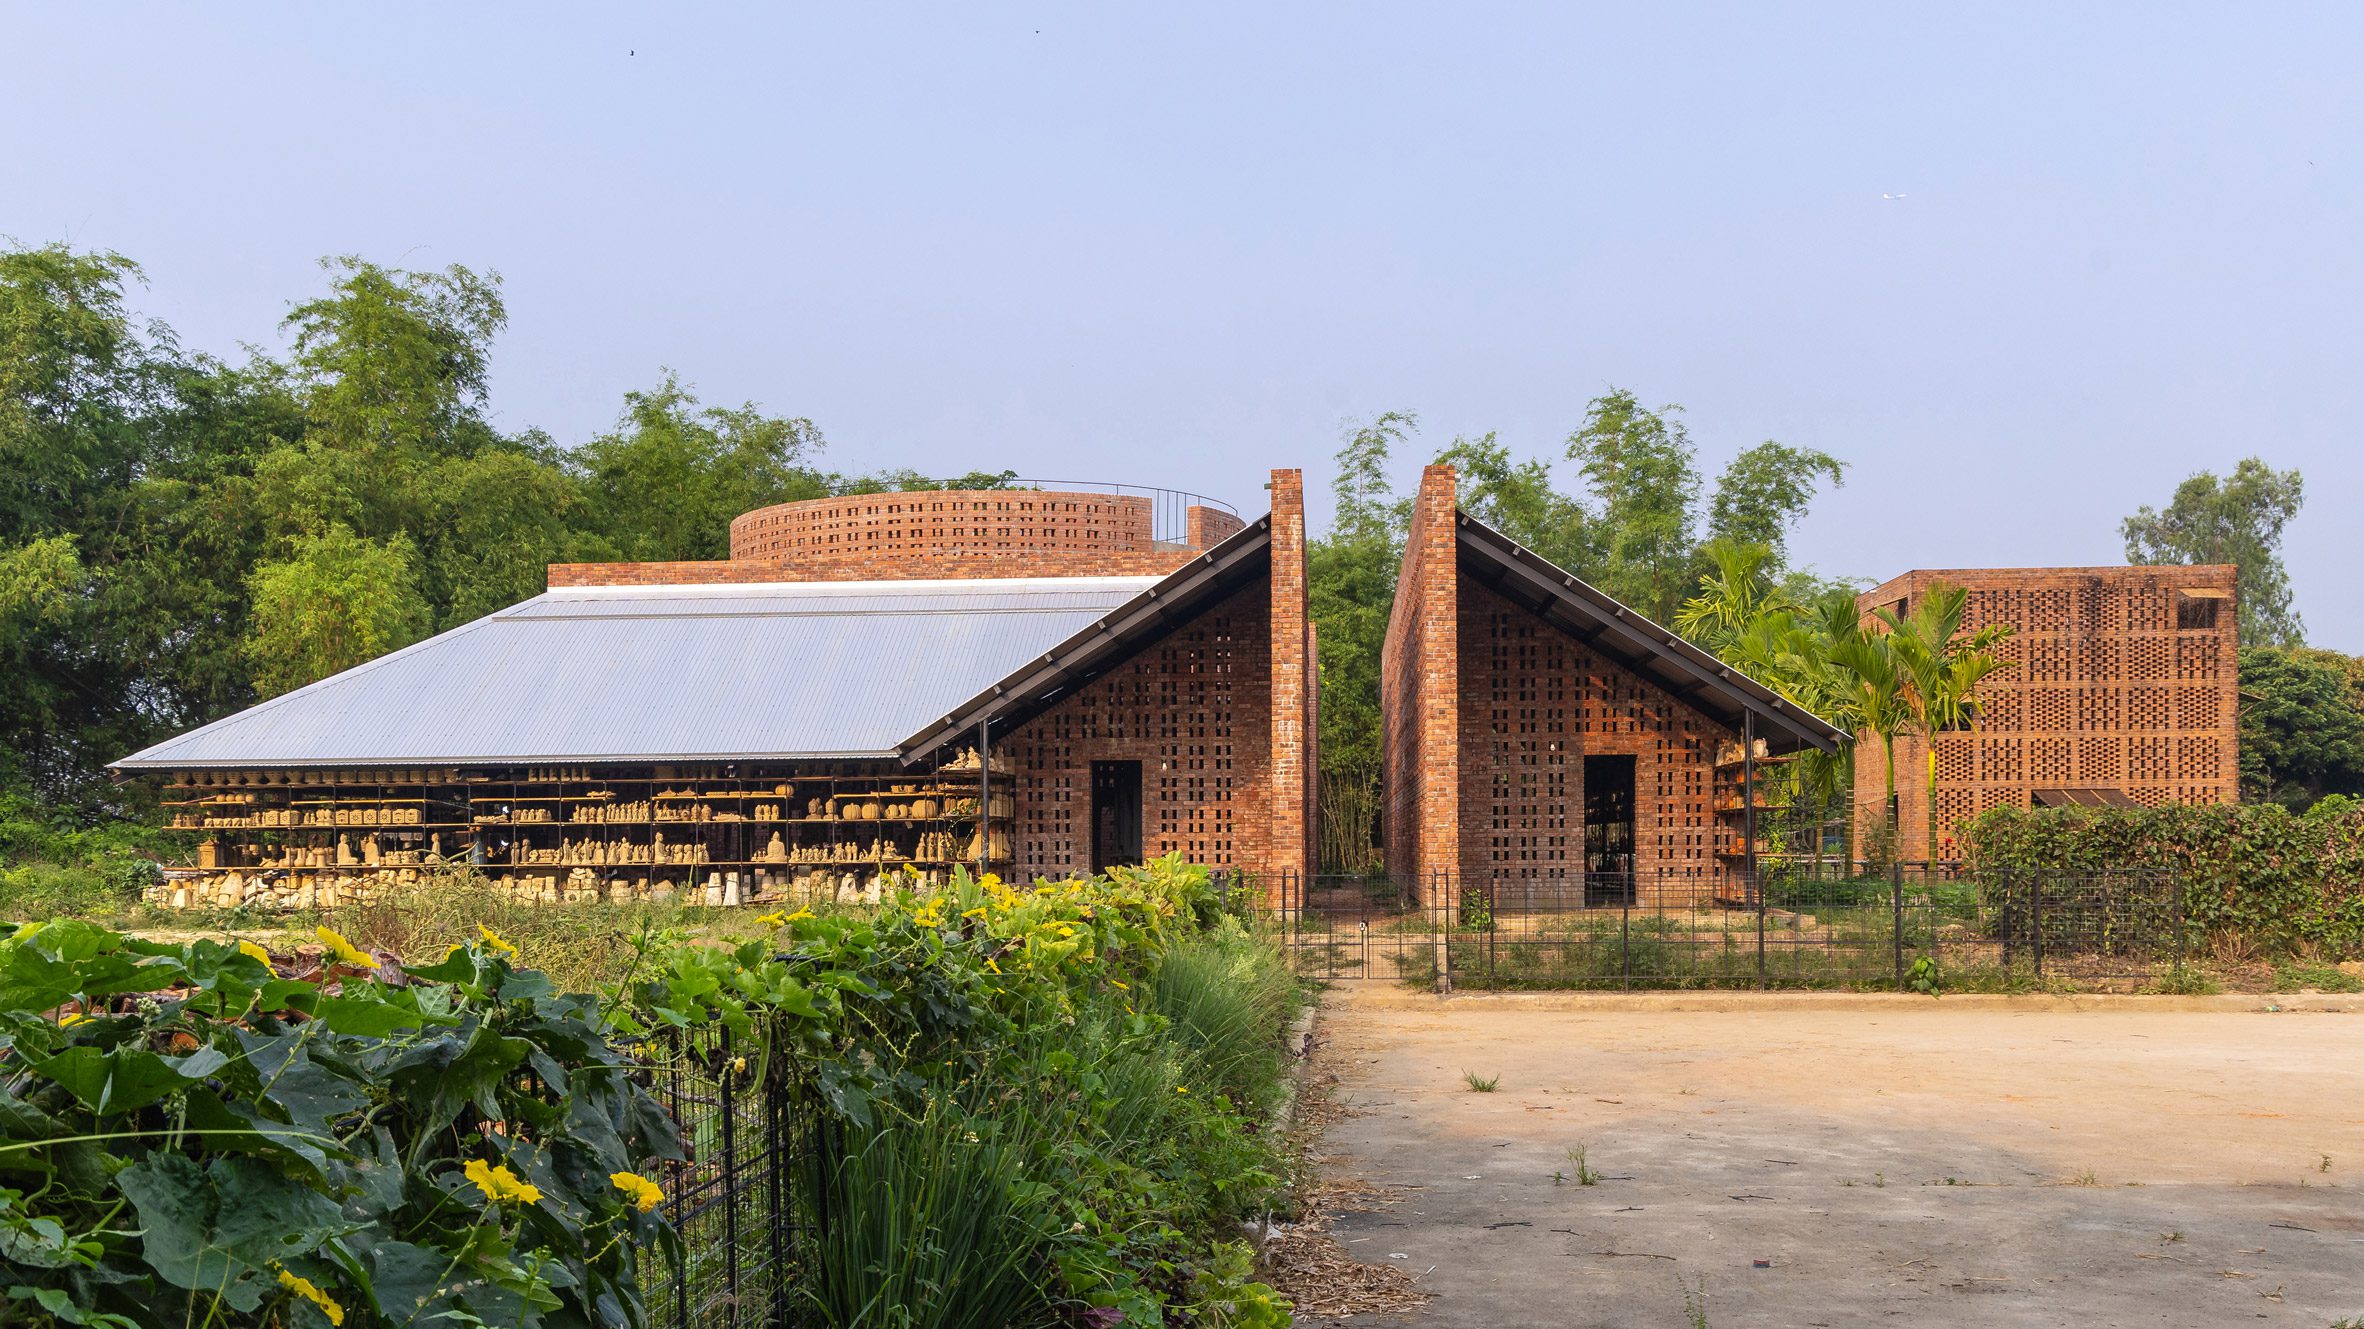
column 1834, row 1160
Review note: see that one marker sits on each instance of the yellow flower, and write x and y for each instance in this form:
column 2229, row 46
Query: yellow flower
column 738, row 1065
column 1120, row 985
column 978, row 912
column 643, row 1193
column 1180, row 1090
column 71, row 1018
column 303, row 1287
column 343, row 951
column 249, row 948
column 801, row 913
column 496, row 942
column 989, row 964
column 773, row 919
column 500, row 1185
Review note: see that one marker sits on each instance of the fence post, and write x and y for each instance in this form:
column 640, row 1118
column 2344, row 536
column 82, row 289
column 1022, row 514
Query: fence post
column 1493, row 924
column 776, row 1150
column 728, row 1087
column 1896, row 918
column 1756, row 883
column 2175, row 917
column 1444, row 899
column 2035, row 915
column 1625, row 941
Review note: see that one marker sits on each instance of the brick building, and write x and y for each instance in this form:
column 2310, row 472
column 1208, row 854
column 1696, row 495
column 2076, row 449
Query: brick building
column 1538, row 732
column 2121, row 691
column 871, row 687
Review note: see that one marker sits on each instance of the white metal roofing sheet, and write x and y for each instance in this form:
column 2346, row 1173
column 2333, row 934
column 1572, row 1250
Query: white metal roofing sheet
column 845, row 669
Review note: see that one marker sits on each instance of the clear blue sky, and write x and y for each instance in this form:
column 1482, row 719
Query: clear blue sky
column 1181, row 244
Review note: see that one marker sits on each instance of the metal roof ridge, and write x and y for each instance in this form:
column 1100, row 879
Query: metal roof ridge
column 911, row 586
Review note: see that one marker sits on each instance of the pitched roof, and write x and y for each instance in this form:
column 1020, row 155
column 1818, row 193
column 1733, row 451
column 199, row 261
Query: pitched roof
column 1105, row 643
column 666, row 673
column 1624, row 634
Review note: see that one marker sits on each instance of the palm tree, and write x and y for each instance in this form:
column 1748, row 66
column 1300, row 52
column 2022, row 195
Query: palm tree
column 1942, row 669
column 1736, row 594
column 1880, row 699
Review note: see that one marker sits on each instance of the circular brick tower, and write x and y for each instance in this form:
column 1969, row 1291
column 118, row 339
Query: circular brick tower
column 1069, row 531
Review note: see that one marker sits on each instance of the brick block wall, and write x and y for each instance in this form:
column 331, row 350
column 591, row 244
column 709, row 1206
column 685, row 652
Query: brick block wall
column 1206, row 527
column 937, row 521
column 1419, row 695
column 1534, row 702
column 2112, row 685
column 1292, row 685
column 1196, row 711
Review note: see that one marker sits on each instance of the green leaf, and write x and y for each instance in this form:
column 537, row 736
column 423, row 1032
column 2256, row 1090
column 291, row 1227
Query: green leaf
column 219, row 1229
column 113, row 1080
column 365, row 1017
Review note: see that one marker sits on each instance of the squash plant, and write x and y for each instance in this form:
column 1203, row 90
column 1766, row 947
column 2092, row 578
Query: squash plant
column 202, row 1134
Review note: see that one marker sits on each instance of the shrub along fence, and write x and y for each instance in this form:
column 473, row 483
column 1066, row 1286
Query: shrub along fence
column 1906, row 928
column 2252, row 877
column 984, row 1107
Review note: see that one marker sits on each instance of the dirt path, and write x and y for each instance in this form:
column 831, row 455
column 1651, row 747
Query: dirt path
column 1962, row 1162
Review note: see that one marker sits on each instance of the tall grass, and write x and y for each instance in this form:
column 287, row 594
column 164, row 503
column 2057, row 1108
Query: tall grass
column 1230, row 999
column 929, row 1223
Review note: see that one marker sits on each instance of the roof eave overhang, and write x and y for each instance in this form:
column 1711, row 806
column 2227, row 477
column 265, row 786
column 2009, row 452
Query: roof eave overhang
column 133, row 767
column 1114, row 638
column 1625, row 635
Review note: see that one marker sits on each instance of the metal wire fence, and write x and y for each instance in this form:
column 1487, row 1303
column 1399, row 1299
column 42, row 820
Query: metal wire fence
column 734, row 1201
column 1847, row 927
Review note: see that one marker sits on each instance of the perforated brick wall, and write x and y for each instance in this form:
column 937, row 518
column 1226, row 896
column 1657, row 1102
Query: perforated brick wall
column 2121, row 679
column 946, row 520
column 1534, row 702
column 1196, row 711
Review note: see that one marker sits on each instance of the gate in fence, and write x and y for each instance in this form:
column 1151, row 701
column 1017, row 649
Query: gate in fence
column 733, row 1201
column 1842, row 928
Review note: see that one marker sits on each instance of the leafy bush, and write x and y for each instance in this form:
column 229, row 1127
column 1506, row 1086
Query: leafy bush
column 990, row 1038
column 2252, row 872
column 205, row 1134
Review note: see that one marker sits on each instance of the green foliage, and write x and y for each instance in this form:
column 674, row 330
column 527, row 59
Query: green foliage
column 2301, row 730
column 1054, row 1147
column 1350, row 588
column 199, row 1133
column 180, row 536
column 2251, row 871
column 1481, row 1084
column 2239, row 520
column 1223, row 993
column 1631, row 527
column 1924, row 977
column 337, row 600
column 667, row 482
column 937, row 1202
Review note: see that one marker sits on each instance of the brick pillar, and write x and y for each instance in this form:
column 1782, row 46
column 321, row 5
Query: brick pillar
column 1292, row 683
column 1420, row 696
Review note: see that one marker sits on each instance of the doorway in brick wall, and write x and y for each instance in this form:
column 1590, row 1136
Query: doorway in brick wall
column 1116, row 814
column 1608, row 830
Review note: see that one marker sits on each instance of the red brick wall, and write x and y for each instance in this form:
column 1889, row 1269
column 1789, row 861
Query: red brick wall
column 1206, row 527
column 1534, row 702
column 944, row 521
column 2105, row 691
column 1419, row 695
column 1195, row 711
column 1292, row 682
column 871, row 567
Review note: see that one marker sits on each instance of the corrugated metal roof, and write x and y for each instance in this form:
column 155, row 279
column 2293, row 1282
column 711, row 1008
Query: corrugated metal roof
column 661, row 673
